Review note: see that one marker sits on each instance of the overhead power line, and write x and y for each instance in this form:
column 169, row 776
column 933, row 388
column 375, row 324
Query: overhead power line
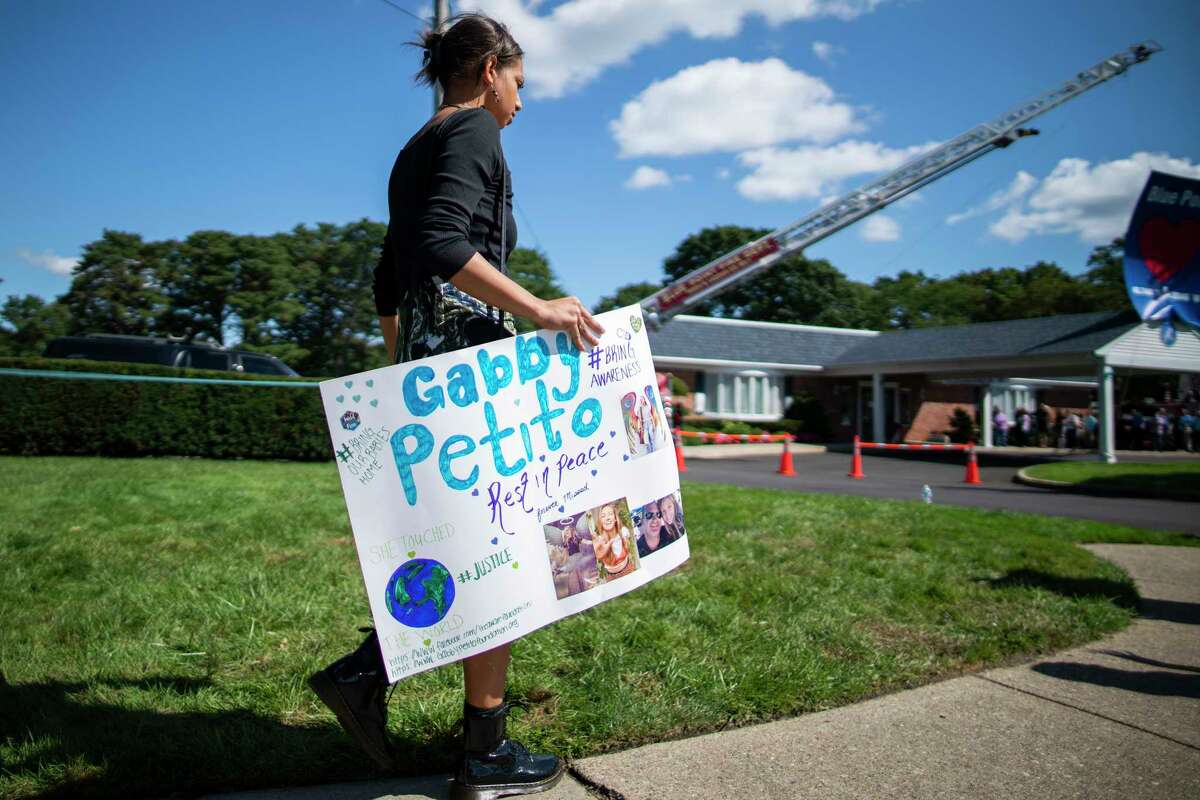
column 404, row 10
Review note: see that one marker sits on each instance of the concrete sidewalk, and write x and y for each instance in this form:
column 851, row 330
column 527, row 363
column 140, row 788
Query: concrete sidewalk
column 1119, row 718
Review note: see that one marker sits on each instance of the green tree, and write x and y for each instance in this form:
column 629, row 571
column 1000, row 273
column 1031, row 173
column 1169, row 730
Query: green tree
column 334, row 329
column 34, row 323
column 626, row 295
column 704, row 247
column 227, row 288
column 531, row 269
column 897, row 303
column 263, row 300
column 116, row 287
column 1105, row 277
column 916, row 300
column 794, row 289
column 800, row 291
column 199, row 276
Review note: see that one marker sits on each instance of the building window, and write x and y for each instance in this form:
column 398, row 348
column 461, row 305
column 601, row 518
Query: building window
column 750, row 394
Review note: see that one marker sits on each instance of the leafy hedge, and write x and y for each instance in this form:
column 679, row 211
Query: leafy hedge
column 60, row 416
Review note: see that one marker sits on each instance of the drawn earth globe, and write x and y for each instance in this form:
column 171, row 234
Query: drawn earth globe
column 420, row 593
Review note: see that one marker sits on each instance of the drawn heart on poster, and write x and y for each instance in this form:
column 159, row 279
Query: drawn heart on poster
column 1168, row 248
column 636, row 324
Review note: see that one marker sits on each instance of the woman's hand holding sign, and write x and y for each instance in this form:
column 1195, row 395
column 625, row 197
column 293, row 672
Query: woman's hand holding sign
column 568, row 314
column 481, row 280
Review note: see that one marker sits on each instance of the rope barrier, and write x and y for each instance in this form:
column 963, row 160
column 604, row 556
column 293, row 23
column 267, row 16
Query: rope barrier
column 737, row 438
column 112, row 376
column 856, row 470
column 889, row 446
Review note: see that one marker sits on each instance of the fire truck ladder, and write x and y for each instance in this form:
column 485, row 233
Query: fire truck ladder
column 738, row 265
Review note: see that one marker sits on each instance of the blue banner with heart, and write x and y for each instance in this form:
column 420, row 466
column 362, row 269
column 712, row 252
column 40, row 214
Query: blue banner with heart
column 1162, row 253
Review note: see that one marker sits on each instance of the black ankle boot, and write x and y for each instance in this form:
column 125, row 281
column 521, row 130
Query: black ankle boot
column 494, row 765
column 355, row 689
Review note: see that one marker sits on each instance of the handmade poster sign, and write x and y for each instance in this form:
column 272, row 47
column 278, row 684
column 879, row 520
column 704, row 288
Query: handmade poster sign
column 500, row 488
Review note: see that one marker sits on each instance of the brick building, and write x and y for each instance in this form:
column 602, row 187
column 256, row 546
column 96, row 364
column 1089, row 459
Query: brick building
column 909, row 383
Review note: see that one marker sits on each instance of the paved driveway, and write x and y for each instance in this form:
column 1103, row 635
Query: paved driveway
column 902, row 478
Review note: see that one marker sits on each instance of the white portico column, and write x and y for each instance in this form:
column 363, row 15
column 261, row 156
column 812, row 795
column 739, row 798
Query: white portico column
column 878, row 431
column 985, row 418
column 1107, row 450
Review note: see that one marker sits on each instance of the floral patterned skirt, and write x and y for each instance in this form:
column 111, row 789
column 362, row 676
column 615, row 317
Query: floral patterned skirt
column 437, row 318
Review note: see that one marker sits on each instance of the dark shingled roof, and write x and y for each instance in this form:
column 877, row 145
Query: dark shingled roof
column 728, row 340
column 725, row 340
column 1064, row 334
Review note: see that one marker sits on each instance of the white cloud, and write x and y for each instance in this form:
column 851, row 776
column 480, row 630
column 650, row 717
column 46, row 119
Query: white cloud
column 909, row 200
column 1020, row 186
column 47, row 260
column 728, row 104
column 792, row 173
column 824, row 51
column 878, row 228
column 571, row 44
column 647, row 178
column 1092, row 202
column 723, row 173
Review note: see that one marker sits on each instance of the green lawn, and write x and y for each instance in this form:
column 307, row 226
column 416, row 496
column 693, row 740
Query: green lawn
column 1178, row 480
column 160, row 617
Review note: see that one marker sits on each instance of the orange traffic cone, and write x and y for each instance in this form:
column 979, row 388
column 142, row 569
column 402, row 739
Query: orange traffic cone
column 679, row 462
column 785, row 459
column 972, row 475
column 856, row 462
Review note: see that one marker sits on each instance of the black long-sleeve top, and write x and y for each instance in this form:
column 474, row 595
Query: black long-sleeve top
column 444, row 204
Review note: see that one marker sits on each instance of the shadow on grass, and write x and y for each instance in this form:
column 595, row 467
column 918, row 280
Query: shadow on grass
column 1166, row 684
column 1119, row 592
column 71, row 747
column 1183, row 485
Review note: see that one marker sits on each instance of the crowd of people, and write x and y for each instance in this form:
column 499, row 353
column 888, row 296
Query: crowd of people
column 1159, row 428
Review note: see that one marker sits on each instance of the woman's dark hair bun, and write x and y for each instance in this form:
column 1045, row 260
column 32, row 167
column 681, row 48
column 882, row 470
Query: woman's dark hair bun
column 461, row 48
column 430, row 43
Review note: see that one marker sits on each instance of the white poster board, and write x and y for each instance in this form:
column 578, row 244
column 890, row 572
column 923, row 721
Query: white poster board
column 497, row 489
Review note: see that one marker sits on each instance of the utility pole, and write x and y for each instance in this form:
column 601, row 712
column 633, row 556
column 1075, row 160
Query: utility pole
column 441, row 13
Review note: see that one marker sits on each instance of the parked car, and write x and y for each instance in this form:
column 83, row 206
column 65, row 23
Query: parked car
column 166, row 351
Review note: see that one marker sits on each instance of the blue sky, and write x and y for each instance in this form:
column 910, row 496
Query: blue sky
column 168, row 117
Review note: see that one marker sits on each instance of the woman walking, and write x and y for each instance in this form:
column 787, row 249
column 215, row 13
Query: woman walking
column 441, row 285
